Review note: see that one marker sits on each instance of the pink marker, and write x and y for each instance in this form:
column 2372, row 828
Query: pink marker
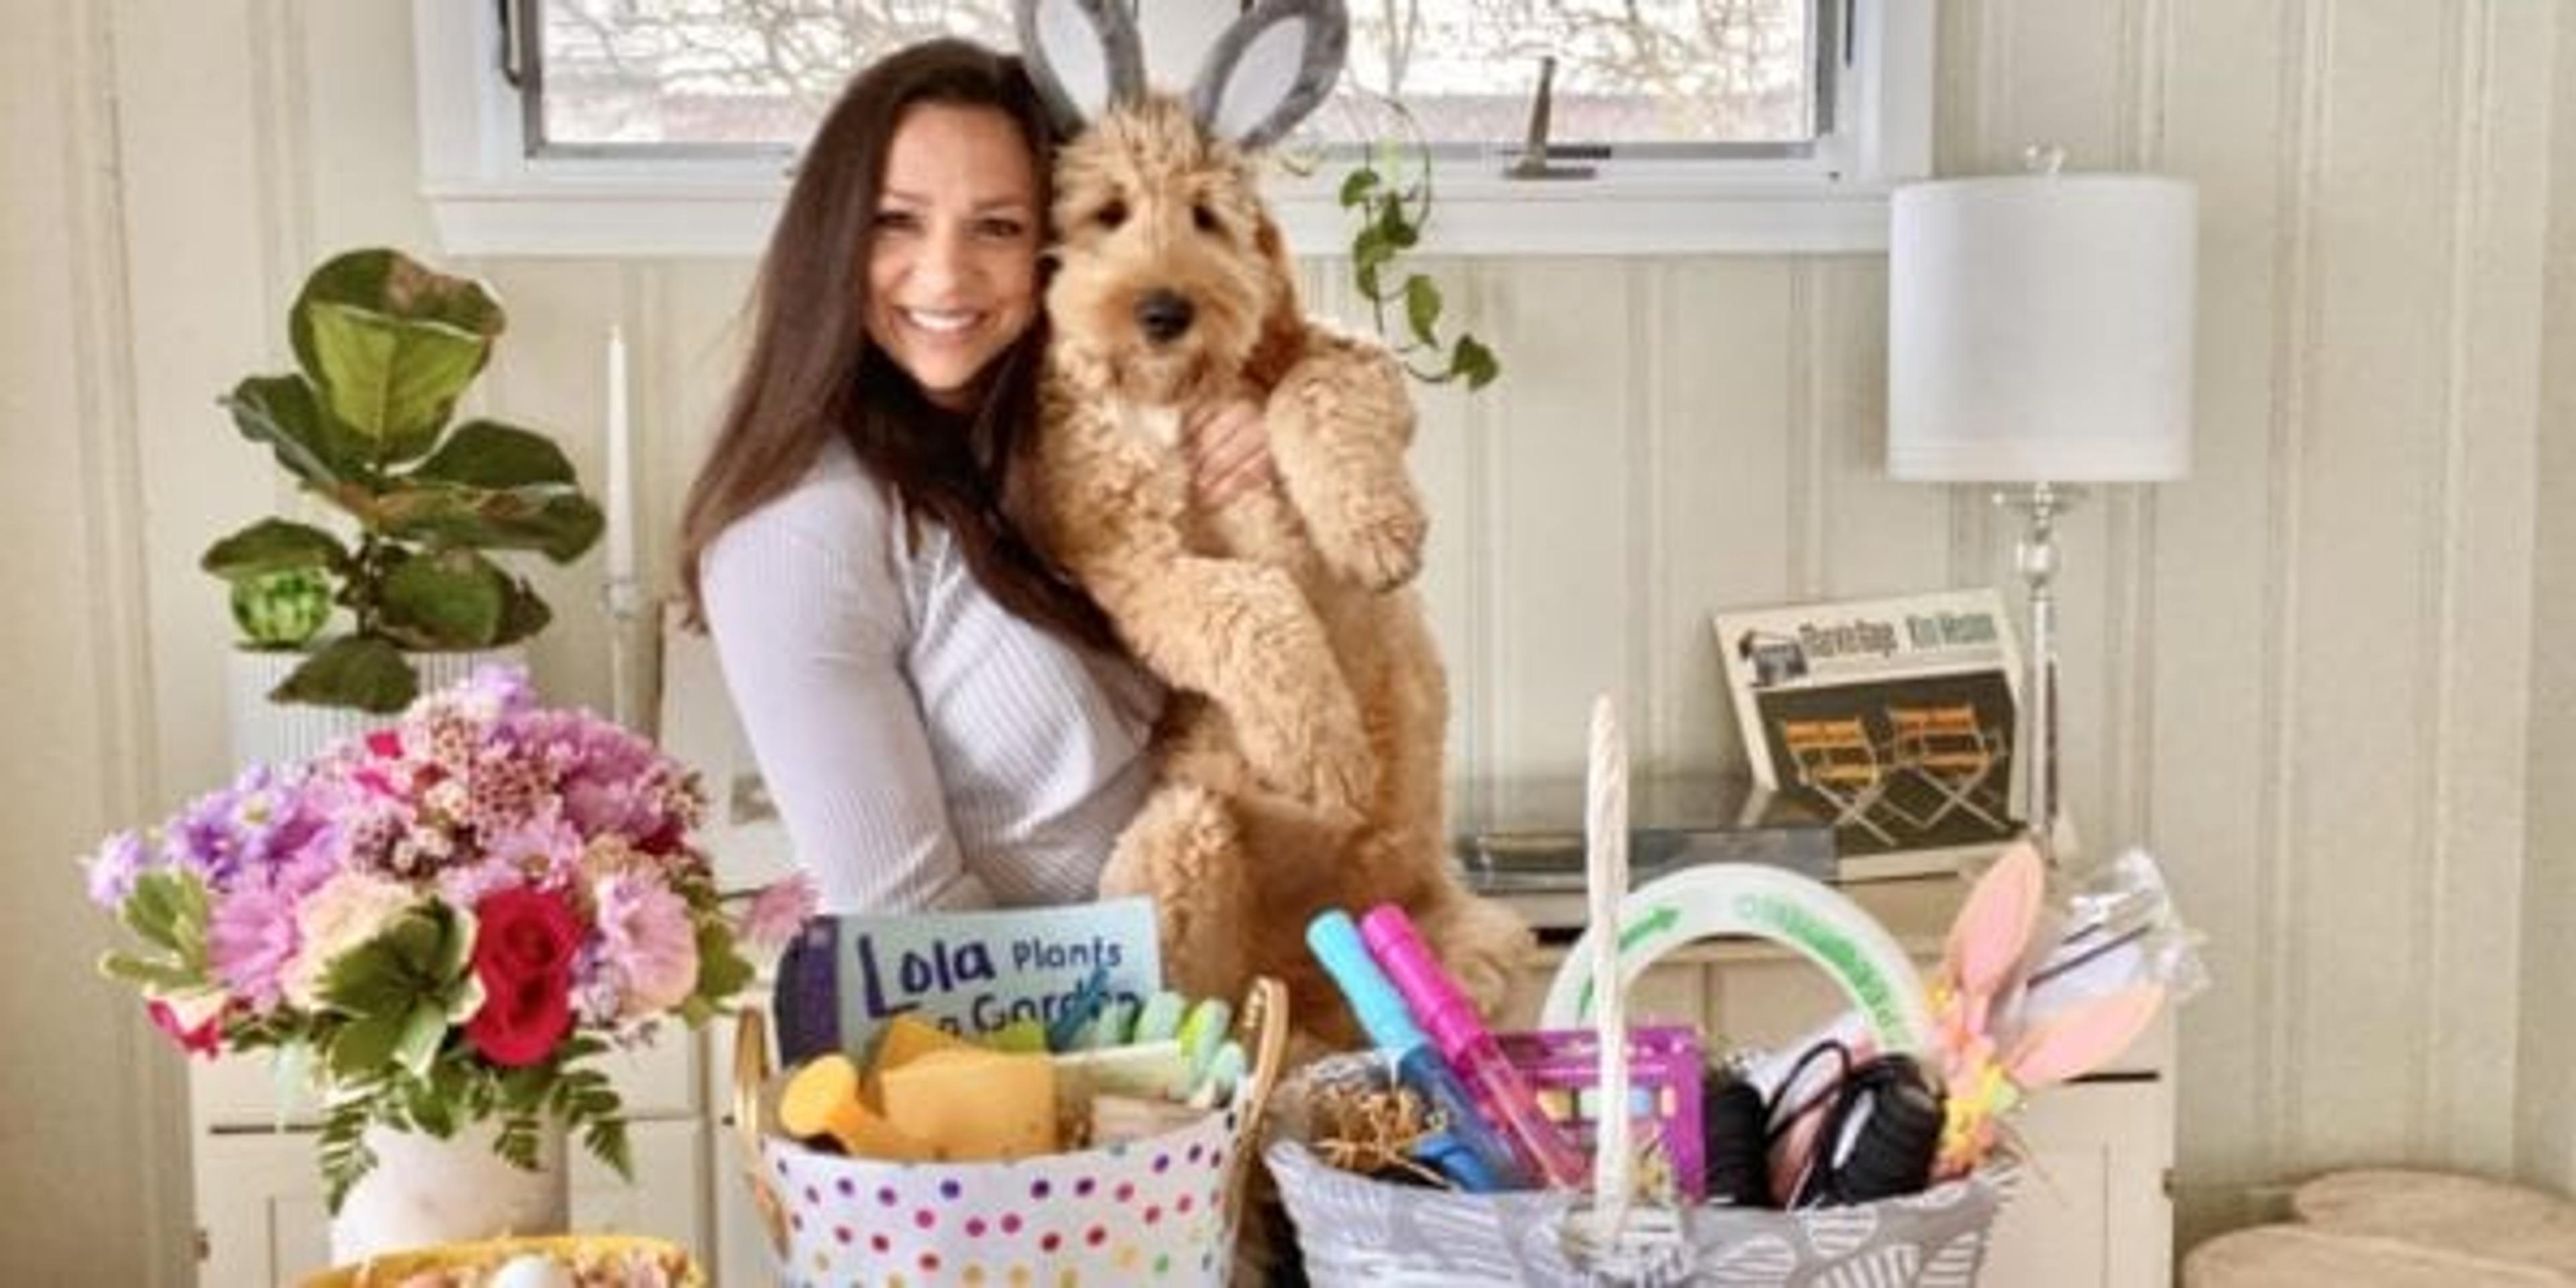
column 1502, row 1094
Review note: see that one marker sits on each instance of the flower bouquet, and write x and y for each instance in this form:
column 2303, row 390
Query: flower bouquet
column 440, row 922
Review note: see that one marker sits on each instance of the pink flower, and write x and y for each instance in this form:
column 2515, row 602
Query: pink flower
column 251, row 940
column 778, row 911
column 647, row 942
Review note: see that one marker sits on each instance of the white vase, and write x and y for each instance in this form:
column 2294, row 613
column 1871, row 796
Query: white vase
column 280, row 733
column 425, row 1191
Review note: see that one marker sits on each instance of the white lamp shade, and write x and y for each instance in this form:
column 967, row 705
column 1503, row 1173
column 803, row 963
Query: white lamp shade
column 2040, row 329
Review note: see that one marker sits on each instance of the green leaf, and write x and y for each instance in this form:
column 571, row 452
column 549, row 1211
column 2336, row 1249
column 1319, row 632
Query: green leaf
column 386, row 281
column 1370, row 254
column 372, row 981
column 343, row 1148
column 523, row 615
column 455, row 946
column 353, row 671
column 392, row 380
column 150, row 974
column 279, row 412
column 1422, row 307
column 1357, row 185
column 364, row 1045
column 549, row 518
column 1475, row 362
column 273, row 545
column 606, row 1140
column 516, row 1142
column 488, row 454
column 1399, row 231
column 167, row 909
column 421, row 1035
column 722, row 972
column 433, row 1109
column 449, row 599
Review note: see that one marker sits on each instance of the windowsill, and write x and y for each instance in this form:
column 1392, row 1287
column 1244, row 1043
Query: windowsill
column 730, row 218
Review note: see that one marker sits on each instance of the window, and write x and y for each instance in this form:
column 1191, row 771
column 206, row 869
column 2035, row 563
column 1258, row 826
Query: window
column 666, row 126
column 1677, row 77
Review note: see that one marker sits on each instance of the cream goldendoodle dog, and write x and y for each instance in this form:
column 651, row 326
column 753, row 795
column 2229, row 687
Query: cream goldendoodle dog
column 1301, row 761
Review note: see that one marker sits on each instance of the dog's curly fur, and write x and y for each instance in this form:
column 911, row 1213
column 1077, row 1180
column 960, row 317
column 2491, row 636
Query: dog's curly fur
column 1301, row 760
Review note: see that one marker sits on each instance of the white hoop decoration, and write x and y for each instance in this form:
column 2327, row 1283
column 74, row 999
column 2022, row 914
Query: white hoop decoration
column 1804, row 915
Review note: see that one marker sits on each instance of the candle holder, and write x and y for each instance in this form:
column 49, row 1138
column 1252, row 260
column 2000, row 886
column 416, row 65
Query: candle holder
column 625, row 602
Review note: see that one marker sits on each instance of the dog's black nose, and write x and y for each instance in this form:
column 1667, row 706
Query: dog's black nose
column 1163, row 315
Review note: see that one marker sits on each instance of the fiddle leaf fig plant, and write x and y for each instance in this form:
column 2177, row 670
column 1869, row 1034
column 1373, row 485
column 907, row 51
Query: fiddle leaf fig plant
column 384, row 348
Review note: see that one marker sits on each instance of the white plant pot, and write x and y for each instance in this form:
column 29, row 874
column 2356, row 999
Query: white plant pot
column 279, row 733
column 424, row 1191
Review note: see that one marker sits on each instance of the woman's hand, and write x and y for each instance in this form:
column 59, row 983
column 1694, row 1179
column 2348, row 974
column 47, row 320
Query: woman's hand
column 1229, row 450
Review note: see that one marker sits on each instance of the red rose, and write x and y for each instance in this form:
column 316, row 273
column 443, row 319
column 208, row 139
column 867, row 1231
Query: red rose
column 523, row 947
column 207, row 1039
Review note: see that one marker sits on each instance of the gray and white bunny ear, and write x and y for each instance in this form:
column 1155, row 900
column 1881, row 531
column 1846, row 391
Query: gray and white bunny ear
column 1272, row 68
column 1084, row 56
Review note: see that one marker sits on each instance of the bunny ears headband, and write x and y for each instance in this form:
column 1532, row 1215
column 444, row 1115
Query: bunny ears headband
column 1269, row 70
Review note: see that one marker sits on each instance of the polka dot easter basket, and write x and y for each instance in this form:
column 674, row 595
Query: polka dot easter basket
column 1161, row 1209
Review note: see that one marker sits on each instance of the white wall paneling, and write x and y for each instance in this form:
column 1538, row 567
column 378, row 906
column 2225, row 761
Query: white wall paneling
column 2545, row 1127
column 96, row 1162
column 2319, row 676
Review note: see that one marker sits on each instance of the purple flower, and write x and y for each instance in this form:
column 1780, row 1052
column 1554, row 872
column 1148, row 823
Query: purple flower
column 113, row 869
column 495, row 690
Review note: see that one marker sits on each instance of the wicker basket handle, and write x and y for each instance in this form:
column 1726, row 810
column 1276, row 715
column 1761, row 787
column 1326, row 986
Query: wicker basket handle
column 1263, row 1030
column 750, row 1075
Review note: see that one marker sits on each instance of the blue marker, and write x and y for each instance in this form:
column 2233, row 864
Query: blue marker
column 1469, row 1152
column 1080, row 1009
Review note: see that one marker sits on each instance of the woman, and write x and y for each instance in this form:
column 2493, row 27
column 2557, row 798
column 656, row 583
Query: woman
column 942, row 719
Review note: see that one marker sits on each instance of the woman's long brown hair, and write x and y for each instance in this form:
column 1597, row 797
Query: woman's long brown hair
column 812, row 374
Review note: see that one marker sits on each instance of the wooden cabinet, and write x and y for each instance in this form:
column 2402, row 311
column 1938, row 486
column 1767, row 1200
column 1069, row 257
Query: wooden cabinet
column 260, row 1214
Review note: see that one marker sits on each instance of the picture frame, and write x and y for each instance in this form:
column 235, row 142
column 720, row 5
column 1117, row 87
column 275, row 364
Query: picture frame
column 1894, row 718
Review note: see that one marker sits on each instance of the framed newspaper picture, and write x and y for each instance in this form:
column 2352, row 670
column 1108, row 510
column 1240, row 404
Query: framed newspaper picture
column 1893, row 718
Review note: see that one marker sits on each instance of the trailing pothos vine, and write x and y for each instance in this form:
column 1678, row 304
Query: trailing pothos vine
column 1389, row 194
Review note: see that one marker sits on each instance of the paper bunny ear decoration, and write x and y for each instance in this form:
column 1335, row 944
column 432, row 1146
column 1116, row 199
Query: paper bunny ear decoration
column 1084, row 56
column 1993, row 929
column 1986, row 1072
column 1270, row 70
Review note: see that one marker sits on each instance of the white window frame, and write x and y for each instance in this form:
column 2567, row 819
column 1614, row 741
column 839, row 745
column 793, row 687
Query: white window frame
column 488, row 197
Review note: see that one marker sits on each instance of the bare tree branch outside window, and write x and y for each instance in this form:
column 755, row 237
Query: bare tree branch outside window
column 761, row 72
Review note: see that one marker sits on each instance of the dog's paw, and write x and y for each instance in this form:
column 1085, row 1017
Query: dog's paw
column 1329, row 770
column 1381, row 544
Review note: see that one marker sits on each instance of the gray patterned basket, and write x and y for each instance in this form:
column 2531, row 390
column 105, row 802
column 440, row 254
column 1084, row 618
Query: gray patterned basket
column 1355, row 1231
column 1361, row 1233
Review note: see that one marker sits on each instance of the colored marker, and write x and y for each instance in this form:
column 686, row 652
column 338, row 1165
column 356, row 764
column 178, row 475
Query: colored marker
column 1469, row 1152
column 1504, row 1096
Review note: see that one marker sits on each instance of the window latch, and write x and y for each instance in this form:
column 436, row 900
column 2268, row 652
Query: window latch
column 1534, row 163
column 513, row 50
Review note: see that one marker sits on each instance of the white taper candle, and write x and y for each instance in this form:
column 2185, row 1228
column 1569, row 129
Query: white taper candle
column 1606, row 883
column 620, row 498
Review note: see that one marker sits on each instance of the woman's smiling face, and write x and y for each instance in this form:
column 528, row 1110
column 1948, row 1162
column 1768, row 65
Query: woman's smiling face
column 953, row 255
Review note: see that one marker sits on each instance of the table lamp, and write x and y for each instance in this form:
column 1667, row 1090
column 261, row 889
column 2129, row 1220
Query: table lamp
column 2040, row 336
